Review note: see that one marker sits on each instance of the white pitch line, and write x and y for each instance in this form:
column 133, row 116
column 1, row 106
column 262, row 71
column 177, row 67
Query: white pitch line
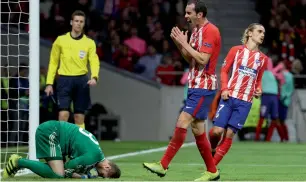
column 141, row 152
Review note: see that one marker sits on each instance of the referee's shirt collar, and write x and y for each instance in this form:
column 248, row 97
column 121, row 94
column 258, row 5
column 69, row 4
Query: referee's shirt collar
column 77, row 38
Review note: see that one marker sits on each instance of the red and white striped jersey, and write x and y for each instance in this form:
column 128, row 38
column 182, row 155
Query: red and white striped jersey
column 206, row 39
column 247, row 70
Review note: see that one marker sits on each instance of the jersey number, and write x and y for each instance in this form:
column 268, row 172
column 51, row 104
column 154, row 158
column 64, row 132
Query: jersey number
column 89, row 135
column 220, row 107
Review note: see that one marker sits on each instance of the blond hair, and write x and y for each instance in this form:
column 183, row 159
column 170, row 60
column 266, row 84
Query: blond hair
column 245, row 36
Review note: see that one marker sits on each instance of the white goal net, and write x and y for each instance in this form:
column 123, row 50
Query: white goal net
column 19, row 78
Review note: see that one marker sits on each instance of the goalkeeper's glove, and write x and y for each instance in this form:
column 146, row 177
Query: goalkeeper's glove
column 92, row 173
column 68, row 173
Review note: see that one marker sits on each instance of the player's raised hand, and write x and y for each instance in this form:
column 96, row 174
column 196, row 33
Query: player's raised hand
column 257, row 93
column 92, row 82
column 225, row 94
column 179, row 36
column 174, row 34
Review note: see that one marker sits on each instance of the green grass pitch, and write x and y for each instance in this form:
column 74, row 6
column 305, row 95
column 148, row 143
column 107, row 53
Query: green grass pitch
column 244, row 162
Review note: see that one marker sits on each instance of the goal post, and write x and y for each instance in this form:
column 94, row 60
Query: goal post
column 34, row 71
column 20, row 42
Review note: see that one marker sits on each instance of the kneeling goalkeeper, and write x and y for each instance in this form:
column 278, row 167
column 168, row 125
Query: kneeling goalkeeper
column 54, row 141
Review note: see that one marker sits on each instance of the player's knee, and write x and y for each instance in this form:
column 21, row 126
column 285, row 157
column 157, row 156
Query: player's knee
column 182, row 123
column 217, row 131
column 275, row 120
column 184, row 120
column 197, row 127
column 230, row 133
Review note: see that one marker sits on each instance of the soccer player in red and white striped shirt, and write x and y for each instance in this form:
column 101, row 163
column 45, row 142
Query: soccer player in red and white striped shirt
column 201, row 53
column 247, row 65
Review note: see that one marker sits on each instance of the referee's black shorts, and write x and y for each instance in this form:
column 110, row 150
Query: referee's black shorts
column 73, row 88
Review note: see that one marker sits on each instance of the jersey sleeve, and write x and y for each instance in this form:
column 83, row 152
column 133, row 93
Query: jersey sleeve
column 54, row 61
column 94, row 61
column 227, row 64
column 260, row 74
column 208, row 39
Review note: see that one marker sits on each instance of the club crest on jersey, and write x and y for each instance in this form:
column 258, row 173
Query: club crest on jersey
column 82, row 54
column 247, row 71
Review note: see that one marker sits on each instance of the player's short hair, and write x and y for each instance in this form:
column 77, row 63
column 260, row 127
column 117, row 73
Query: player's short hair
column 77, row 13
column 245, row 36
column 116, row 172
column 199, row 6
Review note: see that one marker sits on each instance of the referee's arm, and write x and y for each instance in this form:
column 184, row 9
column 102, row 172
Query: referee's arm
column 94, row 61
column 54, row 61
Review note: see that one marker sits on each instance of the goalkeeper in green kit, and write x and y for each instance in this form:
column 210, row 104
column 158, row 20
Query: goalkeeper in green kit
column 54, row 141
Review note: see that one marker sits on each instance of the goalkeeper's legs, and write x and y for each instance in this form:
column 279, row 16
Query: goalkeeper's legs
column 54, row 168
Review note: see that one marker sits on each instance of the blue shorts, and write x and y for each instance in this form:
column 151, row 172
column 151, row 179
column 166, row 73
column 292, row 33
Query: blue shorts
column 232, row 113
column 282, row 110
column 198, row 102
column 73, row 88
column 269, row 106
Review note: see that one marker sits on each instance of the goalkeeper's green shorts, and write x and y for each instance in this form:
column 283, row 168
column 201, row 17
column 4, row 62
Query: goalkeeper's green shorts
column 47, row 143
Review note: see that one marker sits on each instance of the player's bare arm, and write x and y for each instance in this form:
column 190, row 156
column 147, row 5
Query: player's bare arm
column 199, row 57
column 183, row 51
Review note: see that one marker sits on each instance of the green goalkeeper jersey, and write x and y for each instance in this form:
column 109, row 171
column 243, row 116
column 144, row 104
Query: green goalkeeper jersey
column 79, row 145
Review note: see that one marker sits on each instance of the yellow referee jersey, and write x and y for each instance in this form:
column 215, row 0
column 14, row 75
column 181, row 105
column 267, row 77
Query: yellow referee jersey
column 71, row 56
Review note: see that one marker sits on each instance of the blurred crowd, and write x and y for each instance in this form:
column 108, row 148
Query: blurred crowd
column 137, row 39
column 132, row 38
column 285, row 23
column 15, row 103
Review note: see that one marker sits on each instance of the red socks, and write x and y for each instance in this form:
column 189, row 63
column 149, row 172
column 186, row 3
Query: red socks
column 222, row 150
column 279, row 128
column 285, row 130
column 270, row 131
column 214, row 139
column 258, row 129
column 280, row 131
column 174, row 145
column 205, row 151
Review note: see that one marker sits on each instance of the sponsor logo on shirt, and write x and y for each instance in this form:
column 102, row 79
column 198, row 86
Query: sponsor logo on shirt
column 258, row 62
column 247, row 71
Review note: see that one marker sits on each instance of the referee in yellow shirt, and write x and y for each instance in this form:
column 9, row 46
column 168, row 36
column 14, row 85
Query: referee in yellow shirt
column 69, row 57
